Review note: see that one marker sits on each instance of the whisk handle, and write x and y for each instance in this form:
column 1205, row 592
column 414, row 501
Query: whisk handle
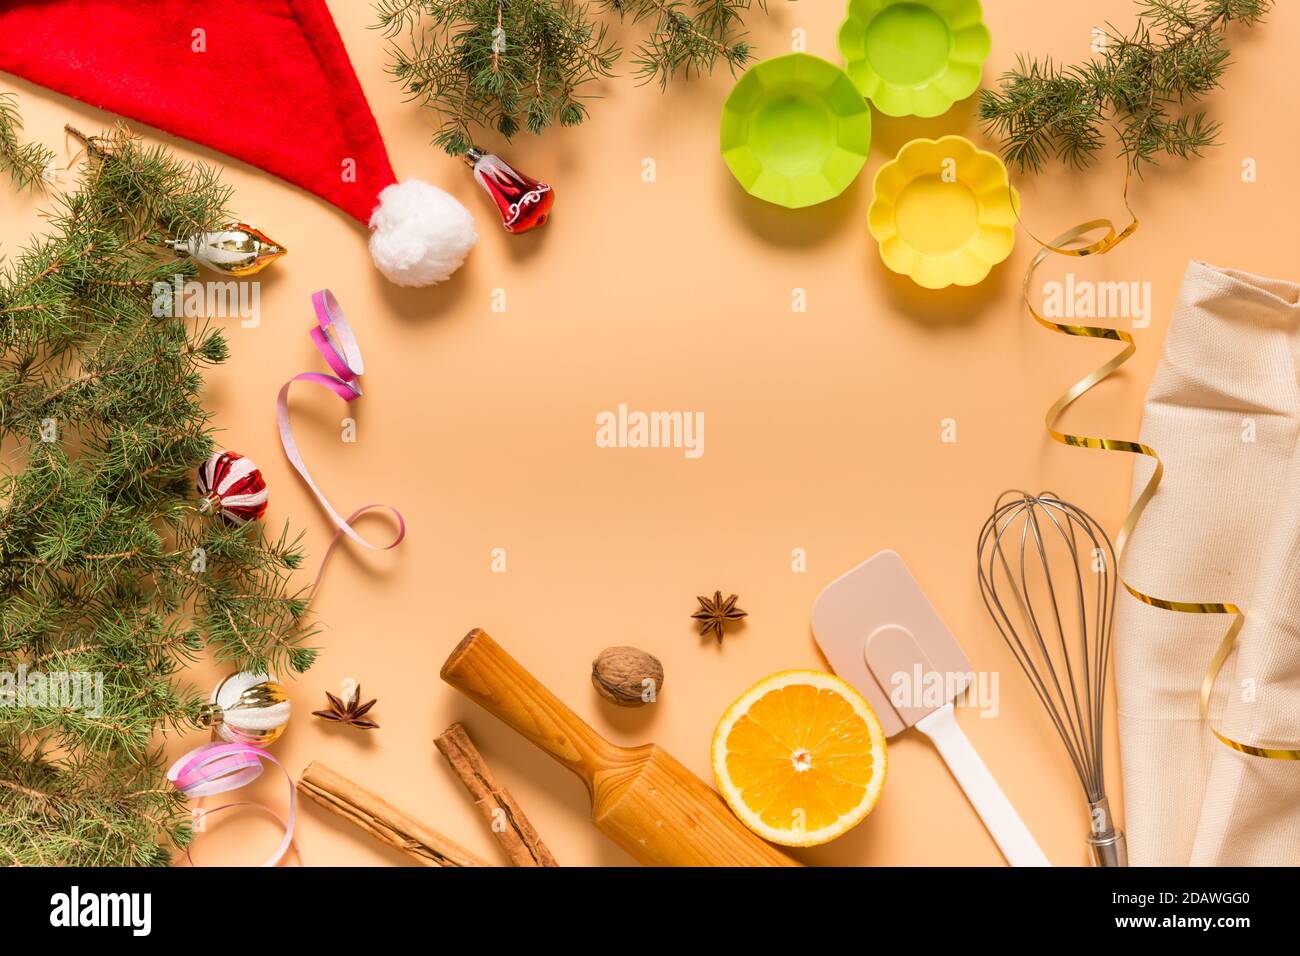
column 1004, row 824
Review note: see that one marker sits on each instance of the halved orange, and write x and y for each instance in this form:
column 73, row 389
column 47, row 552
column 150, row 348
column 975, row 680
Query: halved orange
column 800, row 758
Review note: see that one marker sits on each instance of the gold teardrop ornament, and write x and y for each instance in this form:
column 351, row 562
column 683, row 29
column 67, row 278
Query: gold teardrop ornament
column 236, row 250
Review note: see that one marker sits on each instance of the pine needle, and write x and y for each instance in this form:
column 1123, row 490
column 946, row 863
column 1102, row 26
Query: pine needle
column 1142, row 85
column 26, row 163
column 106, row 566
column 509, row 65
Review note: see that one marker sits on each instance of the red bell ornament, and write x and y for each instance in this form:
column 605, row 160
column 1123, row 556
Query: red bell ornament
column 524, row 202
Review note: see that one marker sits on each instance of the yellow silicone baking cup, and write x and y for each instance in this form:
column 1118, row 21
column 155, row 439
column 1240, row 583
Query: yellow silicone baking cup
column 943, row 212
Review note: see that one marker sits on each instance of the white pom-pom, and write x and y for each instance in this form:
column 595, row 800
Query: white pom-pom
column 421, row 234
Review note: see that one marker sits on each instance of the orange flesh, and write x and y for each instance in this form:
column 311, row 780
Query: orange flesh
column 809, row 727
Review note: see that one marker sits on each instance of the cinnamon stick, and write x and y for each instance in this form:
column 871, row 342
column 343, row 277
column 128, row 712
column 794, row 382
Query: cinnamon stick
column 504, row 816
column 381, row 819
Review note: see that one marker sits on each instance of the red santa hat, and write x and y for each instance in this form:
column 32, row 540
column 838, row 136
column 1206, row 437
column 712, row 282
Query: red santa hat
column 265, row 81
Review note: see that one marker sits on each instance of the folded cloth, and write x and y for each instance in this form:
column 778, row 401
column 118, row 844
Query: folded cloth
column 1223, row 412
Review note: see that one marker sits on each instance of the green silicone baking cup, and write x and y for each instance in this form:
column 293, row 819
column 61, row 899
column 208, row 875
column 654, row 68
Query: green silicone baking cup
column 795, row 130
column 915, row 57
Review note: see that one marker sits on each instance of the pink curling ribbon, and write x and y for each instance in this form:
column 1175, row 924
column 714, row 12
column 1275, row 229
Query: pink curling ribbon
column 219, row 768
column 338, row 346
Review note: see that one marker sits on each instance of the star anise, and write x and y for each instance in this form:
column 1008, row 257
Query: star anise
column 349, row 710
column 715, row 613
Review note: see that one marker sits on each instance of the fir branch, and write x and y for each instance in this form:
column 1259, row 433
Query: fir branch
column 89, row 810
column 507, row 65
column 107, row 567
column 1145, row 79
column 25, row 163
column 497, row 64
column 688, row 36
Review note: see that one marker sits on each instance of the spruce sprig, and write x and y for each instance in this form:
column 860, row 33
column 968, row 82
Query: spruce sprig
column 507, row 65
column 106, row 564
column 687, row 37
column 24, row 162
column 499, row 64
column 1142, row 84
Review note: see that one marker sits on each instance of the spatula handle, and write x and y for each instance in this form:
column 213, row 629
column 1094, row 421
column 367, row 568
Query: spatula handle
column 480, row 669
column 1004, row 824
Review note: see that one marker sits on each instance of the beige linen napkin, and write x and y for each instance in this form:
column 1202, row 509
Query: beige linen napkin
column 1223, row 412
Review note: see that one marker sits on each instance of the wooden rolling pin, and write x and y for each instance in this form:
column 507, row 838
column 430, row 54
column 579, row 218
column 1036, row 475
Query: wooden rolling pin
column 641, row 798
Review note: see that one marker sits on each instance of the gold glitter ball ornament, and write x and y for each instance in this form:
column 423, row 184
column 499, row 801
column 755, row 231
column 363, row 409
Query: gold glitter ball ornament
column 247, row 708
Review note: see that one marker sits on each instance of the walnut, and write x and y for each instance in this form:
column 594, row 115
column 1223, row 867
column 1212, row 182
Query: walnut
column 627, row 676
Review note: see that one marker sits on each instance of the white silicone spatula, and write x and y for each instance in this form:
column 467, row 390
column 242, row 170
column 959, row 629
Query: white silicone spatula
column 881, row 634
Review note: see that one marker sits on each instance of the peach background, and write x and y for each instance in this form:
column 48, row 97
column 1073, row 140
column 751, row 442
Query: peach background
column 823, row 429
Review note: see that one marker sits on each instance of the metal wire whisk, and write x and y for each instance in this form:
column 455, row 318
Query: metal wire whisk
column 1047, row 574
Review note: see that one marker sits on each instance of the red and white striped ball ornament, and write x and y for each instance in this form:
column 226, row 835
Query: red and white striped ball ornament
column 231, row 487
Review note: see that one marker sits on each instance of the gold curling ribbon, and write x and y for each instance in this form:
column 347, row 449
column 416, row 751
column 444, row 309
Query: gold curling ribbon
column 1072, row 243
